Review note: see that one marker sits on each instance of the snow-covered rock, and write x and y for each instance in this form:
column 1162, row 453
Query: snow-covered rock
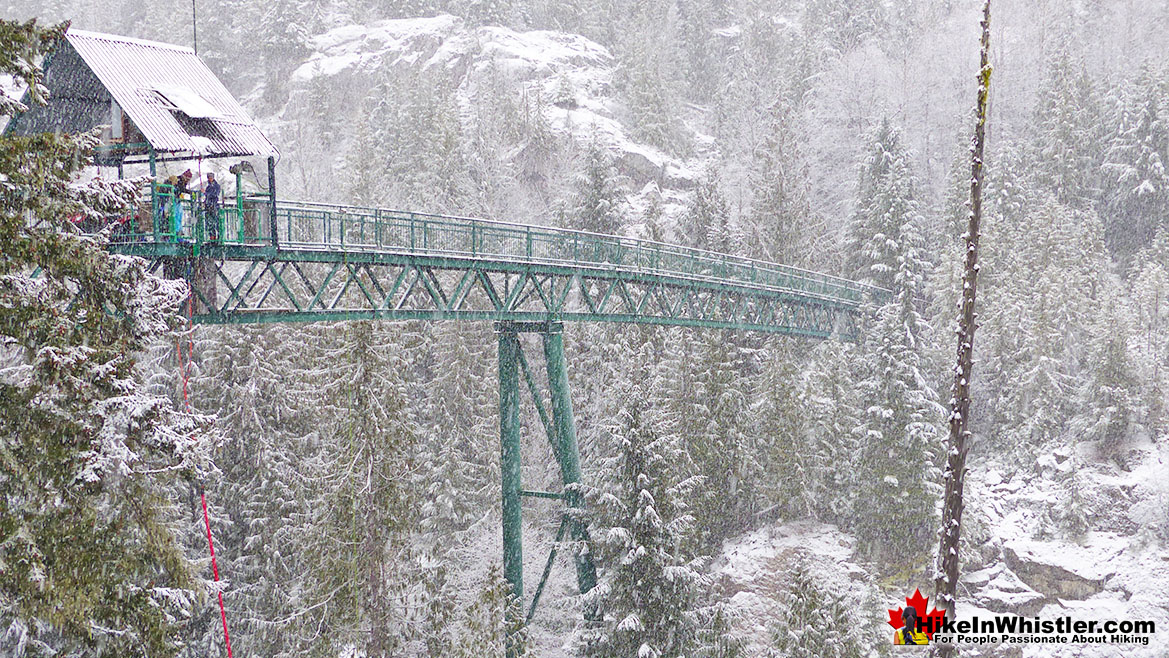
column 753, row 573
column 570, row 75
column 1064, row 570
column 1000, row 590
column 1031, row 567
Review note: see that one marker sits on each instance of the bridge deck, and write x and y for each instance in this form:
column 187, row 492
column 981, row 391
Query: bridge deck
column 344, row 262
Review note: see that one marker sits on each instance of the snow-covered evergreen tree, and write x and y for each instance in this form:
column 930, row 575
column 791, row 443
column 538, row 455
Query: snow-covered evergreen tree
column 600, row 201
column 886, row 202
column 780, row 213
column 89, row 536
column 1046, row 283
column 708, row 223
column 364, row 510
column 459, row 467
column 1136, row 198
column 260, row 505
column 817, row 621
column 1069, row 127
column 649, row 592
column 649, row 75
column 899, row 444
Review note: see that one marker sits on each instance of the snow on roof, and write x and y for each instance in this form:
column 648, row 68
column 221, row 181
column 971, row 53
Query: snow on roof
column 170, row 95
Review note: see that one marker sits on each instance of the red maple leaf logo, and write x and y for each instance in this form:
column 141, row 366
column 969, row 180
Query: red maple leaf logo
column 929, row 622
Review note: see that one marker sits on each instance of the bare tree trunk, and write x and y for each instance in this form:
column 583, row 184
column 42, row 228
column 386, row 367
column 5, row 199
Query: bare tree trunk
column 946, row 582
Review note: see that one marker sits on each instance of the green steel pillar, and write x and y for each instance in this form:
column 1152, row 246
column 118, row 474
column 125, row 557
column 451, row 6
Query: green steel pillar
column 154, row 219
column 273, row 226
column 569, row 454
column 509, row 460
column 239, row 201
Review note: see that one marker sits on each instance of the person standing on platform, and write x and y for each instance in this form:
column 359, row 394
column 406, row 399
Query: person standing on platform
column 211, row 202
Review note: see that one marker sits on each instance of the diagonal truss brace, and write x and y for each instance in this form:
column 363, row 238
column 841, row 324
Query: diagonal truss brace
column 561, row 430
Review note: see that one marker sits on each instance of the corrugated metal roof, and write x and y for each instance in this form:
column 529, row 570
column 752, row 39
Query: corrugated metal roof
column 133, row 69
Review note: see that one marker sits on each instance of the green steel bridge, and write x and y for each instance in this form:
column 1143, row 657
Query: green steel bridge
column 268, row 261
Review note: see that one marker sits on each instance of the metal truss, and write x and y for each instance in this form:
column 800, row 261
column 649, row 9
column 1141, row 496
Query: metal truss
column 255, row 285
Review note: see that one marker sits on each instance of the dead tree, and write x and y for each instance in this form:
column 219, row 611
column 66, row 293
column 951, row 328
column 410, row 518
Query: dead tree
column 955, row 474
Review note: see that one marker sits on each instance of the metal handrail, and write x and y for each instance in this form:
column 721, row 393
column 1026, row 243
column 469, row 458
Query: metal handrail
column 311, row 225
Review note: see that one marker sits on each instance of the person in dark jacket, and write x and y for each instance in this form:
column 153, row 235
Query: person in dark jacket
column 183, row 183
column 212, row 194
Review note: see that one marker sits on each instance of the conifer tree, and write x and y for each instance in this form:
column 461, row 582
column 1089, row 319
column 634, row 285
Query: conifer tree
column 649, row 76
column 779, row 208
column 458, row 464
column 1068, row 157
column 1136, row 199
column 491, row 620
column 899, row 426
column 708, row 223
column 88, row 539
column 599, row 202
column 649, row 593
column 364, row 512
column 886, row 201
column 793, row 462
column 719, row 441
column 817, row 622
column 1150, row 338
column 247, row 377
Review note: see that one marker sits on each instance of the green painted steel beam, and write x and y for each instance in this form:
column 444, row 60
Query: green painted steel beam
column 447, row 263
column 569, row 453
column 509, row 461
column 541, row 494
column 485, row 316
column 547, row 570
column 321, row 292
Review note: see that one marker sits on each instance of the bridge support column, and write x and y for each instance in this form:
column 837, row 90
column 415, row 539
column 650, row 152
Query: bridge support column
column 560, row 427
column 509, row 462
column 568, row 453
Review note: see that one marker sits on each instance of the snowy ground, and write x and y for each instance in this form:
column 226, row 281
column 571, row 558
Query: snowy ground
column 1118, row 569
column 752, row 573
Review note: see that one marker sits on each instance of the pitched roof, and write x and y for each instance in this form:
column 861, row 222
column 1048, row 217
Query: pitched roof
column 170, row 95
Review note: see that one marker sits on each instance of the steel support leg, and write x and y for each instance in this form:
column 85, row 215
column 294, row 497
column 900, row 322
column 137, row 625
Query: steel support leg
column 569, row 454
column 509, row 462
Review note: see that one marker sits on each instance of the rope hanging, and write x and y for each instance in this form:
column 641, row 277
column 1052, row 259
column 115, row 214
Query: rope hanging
column 185, row 368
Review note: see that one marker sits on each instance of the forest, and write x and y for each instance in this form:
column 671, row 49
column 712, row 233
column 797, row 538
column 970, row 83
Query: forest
column 744, row 492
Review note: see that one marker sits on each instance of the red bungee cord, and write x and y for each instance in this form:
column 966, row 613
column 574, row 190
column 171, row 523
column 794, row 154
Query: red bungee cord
column 185, row 366
column 215, row 571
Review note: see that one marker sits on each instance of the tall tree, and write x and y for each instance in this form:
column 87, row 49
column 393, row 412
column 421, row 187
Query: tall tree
column 649, row 75
column 599, row 201
column 708, row 223
column 88, row 458
column 780, row 212
column 810, row 608
column 1068, row 154
column 886, row 202
column 246, row 376
column 364, row 509
column 954, row 476
column 1136, row 200
column 898, row 430
column 648, row 596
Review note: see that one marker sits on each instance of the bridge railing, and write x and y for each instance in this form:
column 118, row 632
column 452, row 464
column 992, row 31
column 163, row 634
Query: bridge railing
column 316, row 226
column 306, row 225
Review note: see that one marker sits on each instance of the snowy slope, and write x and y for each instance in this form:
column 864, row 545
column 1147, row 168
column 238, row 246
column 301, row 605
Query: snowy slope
column 1118, row 569
column 568, row 76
